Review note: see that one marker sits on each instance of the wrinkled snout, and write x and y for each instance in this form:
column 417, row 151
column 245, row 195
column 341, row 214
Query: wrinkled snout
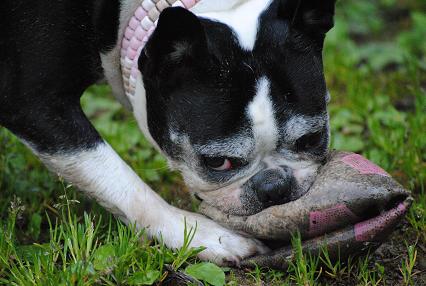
column 273, row 186
column 269, row 187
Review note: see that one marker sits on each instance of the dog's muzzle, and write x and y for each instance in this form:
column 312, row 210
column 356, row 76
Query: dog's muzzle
column 272, row 186
column 352, row 206
column 266, row 188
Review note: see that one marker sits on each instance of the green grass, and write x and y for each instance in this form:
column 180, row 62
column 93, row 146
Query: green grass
column 77, row 252
column 375, row 62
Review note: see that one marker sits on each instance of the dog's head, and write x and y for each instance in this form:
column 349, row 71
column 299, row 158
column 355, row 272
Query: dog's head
column 236, row 99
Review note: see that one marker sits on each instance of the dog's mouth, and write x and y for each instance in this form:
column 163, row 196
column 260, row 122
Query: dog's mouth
column 352, row 206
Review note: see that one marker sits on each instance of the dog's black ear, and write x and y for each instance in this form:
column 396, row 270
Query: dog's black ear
column 314, row 17
column 179, row 36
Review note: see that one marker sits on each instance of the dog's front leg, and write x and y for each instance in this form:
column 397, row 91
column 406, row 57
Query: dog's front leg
column 101, row 173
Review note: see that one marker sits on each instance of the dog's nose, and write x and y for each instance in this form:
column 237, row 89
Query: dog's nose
column 273, row 186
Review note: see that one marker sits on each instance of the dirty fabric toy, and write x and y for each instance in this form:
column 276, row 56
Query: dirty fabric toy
column 352, row 206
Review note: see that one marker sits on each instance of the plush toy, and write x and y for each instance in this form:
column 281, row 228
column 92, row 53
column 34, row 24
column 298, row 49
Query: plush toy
column 352, row 207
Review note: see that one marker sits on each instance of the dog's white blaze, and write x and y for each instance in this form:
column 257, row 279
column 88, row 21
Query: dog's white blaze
column 241, row 16
column 261, row 113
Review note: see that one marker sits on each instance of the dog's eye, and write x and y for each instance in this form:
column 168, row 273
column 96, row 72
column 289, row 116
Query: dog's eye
column 218, row 163
column 309, row 141
column 222, row 163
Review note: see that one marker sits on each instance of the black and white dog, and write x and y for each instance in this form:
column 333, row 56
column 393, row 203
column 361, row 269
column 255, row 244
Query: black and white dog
column 231, row 92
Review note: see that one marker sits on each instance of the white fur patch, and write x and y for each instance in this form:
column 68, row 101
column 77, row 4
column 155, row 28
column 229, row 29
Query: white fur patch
column 188, row 168
column 103, row 175
column 261, row 113
column 241, row 16
column 302, row 169
column 215, row 6
column 299, row 125
column 239, row 145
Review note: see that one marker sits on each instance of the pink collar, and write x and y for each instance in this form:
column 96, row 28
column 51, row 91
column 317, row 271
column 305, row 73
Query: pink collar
column 136, row 35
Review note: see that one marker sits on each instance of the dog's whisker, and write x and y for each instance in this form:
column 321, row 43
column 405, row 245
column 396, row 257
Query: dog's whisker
column 249, row 66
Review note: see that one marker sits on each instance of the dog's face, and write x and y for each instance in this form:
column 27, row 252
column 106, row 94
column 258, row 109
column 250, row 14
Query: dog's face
column 246, row 125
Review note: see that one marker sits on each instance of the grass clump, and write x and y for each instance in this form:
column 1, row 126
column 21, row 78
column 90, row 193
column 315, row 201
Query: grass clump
column 86, row 251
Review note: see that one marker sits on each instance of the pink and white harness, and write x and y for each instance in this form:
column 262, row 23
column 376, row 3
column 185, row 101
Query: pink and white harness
column 136, row 35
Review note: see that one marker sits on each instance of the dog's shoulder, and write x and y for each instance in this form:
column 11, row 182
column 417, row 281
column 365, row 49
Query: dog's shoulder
column 50, row 51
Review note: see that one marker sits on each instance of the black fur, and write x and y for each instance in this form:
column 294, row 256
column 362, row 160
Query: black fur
column 49, row 54
column 197, row 77
column 106, row 20
column 204, row 93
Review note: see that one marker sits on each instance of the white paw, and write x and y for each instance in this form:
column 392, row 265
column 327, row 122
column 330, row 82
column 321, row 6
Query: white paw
column 223, row 246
